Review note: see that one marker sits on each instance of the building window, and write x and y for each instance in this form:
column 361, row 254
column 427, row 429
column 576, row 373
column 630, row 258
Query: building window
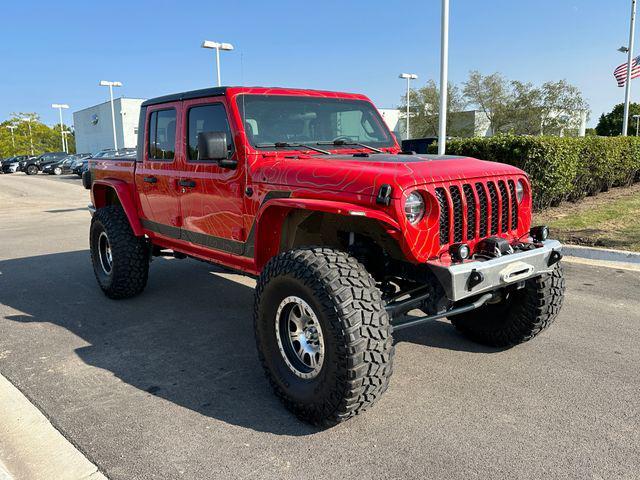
column 162, row 134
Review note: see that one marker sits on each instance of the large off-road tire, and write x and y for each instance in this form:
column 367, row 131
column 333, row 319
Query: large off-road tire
column 519, row 316
column 322, row 302
column 120, row 259
column 32, row 170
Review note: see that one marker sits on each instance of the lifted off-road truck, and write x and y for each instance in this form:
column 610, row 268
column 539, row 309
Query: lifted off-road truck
column 346, row 234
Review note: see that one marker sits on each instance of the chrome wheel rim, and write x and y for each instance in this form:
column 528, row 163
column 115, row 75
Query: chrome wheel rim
column 300, row 338
column 104, row 253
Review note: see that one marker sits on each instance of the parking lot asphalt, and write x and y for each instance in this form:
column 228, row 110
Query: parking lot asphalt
column 168, row 384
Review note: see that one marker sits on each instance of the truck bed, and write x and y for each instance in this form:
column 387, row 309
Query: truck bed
column 118, row 168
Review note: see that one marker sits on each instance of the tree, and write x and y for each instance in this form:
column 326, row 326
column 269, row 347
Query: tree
column 489, row 94
column 425, row 108
column 521, row 108
column 562, row 106
column 30, row 136
column 610, row 124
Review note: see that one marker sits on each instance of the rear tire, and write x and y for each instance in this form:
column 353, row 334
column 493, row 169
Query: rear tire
column 32, row 170
column 57, row 171
column 348, row 322
column 520, row 316
column 120, row 259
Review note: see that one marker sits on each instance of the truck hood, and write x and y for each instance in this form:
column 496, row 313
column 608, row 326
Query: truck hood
column 364, row 174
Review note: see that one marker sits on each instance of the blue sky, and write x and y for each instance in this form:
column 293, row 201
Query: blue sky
column 58, row 51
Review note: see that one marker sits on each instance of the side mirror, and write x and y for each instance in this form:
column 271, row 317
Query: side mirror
column 213, row 146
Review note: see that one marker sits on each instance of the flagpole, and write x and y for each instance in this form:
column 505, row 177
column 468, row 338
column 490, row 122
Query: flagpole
column 627, row 86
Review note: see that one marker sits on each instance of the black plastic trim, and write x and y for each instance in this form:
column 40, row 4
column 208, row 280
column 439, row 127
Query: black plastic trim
column 235, row 247
column 177, row 97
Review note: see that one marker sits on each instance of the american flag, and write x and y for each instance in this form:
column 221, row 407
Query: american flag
column 621, row 72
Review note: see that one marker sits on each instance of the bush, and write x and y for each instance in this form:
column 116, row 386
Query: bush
column 566, row 168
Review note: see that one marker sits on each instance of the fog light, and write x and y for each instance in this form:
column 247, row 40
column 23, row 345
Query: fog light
column 540, row 233
column 459, row 251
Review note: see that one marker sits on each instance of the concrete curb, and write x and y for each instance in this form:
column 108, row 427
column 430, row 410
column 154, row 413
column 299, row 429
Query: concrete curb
column 31, row 448
column 4, row 475
column 605, row 254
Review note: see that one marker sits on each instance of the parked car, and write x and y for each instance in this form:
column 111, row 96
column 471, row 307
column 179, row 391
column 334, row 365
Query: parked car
column 79, row 157
column 345, row 233
column 82, row 166
column 63, row 166
column 12, row 164
column 78, row 168
column 34, row 165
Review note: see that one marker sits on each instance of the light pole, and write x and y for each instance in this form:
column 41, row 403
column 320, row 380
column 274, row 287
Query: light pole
column 217, row 47
column 60, row 106
column 409, row 77
column 105, row 83
column 28, row 119
column 66, row 140
column 637, row 119
column 629, row 51
column 444, row 74
column 13, row 140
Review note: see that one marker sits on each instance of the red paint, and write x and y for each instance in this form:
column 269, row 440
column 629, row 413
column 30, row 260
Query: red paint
column 218, row 206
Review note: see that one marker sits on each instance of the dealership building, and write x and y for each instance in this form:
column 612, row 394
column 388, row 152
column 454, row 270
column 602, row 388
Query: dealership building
column 94, row 129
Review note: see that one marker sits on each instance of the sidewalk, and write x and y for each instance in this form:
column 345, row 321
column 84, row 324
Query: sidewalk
column 31, row 448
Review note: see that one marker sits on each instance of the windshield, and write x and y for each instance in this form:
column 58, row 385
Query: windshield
column 271, row 119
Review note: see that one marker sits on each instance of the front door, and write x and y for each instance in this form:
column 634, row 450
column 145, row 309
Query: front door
column 157, row 176
column 212, row 200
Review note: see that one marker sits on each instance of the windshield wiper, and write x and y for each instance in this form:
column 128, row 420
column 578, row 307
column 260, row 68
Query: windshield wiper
column 287, row 144
column 344, row 142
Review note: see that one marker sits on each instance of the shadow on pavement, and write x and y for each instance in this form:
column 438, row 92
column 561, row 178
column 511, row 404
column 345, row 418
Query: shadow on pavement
column 188, row 338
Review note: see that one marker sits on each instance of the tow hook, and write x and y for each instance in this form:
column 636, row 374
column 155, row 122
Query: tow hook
column 554, row 258
column 475, row 279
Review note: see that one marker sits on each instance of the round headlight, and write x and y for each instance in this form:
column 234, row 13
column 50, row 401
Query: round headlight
column 520, row 190
column 414, row 207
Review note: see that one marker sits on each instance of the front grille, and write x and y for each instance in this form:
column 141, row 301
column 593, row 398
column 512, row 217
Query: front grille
column 504, row 203
column 471, row 210
column 490, row 207
column 493, row 195
column 484, row 209
column 514, row 205
column 444, row 215
column 456, row 198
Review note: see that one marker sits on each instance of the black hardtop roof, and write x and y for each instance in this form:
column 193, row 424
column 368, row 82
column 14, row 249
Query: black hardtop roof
column 210, row 92
column 176, row 97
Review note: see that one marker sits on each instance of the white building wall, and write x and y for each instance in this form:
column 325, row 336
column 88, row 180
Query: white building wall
column 93, row 126
column 391, row 117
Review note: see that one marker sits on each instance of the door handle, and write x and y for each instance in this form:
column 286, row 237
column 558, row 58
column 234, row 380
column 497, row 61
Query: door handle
column 187, row 183
column 151, row 179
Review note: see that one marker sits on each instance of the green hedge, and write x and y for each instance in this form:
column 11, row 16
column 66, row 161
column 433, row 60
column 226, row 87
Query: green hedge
column 560, row 169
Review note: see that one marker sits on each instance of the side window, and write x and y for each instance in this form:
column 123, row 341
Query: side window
column 162, row 134
column 207, row 118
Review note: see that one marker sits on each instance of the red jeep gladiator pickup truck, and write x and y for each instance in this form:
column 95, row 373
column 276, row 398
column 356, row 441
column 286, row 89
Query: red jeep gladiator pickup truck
column 310, row 192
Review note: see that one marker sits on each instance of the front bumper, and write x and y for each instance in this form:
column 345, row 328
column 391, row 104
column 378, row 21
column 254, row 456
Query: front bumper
column 464, row 280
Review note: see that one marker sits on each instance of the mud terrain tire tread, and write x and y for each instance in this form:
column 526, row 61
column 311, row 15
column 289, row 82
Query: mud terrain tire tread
column 130, row 254
column 532, row 310
column 353, row 306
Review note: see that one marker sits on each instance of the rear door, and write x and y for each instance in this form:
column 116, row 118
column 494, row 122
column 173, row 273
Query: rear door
column 212, row 197
column 158, row 174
